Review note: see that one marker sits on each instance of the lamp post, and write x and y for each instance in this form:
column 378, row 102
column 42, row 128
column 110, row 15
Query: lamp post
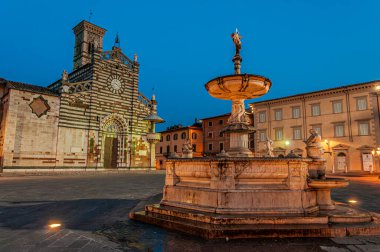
column 327, row 142
column 376, row 154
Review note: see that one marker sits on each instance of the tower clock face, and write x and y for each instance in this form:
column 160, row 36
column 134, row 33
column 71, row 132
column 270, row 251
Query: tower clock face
column 115, row 84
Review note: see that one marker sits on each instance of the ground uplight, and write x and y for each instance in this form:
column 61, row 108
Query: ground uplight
column 55, row 225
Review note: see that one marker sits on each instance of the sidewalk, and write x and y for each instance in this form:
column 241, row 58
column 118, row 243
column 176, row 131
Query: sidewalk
column 79, row 173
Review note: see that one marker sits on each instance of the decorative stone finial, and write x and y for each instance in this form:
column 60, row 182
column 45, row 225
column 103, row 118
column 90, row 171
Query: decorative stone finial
column 135, row 57
column 314, row 147
column 117, row 41
column 237, row 59
column 236, row 39
column 187, row 149
column 65, row 76
column 269, row 147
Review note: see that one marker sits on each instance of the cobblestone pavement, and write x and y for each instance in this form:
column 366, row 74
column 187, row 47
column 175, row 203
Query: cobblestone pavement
column 93, row 210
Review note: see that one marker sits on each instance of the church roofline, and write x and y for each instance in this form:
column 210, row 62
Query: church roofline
column 28, row 87
column 182, row 128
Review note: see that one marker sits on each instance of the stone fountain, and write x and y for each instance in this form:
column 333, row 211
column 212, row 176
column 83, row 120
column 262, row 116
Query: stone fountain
column 240, row 196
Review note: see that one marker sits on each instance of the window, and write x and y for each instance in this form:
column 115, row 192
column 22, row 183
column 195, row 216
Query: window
column 161, row 138
column 221, row 122
column 209, row 124
column 175, row 137
column 262, row 116
column 175, row 148
column 209, row 135
column 297, row 133
column 317, row 128
column 183, row 135
column 168, row 149
column 160, row 150
column 168, row 138
column 361, row 103
column 221, row 146
column 278, row 114
column 210, row 146
column 296, row 112
column 363, row 128
column 315, row 110
column 337, row 107
column 278, row 134
column 221, row 134
column 194, row 147
column 339, row 130
column 194, row 135
column 263, row 136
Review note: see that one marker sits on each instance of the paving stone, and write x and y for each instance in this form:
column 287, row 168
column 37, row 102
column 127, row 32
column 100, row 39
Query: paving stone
column 353, row 248
column 79, row 243
column 65, row 241
column 369, row 239
column 95, row 246
column 334, row 249
column 369, row 248
column 348, row 240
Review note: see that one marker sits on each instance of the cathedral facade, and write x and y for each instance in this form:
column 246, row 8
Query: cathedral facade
column 92, row 118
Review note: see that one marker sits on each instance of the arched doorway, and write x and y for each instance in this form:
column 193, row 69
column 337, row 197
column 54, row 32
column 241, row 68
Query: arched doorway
column 341, row 161
column 114, row 142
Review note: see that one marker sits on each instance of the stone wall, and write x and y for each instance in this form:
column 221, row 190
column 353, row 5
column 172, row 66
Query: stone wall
column 29, row 140
column 239, row 185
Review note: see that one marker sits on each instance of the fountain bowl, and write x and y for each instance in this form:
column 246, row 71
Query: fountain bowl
column 328, row 183
column 238, row 86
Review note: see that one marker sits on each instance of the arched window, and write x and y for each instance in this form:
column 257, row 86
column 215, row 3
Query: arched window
column 168, row 149
column 175, row 137
column 175, row 148
column 160, row 150
column 194, row 135
column 168, row 138
column 183, row 135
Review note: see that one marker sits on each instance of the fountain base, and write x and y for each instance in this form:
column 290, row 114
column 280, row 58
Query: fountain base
column 251, row 198
column 343, row 221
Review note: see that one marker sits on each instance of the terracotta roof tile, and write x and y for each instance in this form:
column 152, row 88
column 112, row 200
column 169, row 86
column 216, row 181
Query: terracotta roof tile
column 28, row 87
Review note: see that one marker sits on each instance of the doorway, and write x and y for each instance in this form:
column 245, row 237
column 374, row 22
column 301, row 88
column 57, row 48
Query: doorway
column 110, row 152
column 341, row 161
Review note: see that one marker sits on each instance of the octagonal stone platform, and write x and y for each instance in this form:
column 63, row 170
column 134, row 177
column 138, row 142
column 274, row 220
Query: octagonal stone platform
column 251, row 198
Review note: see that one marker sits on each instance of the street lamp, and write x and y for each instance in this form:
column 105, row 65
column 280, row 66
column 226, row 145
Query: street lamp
column 376, row 154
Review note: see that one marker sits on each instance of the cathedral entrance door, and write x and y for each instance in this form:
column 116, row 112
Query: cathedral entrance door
column 110, row 152
column 114, row 153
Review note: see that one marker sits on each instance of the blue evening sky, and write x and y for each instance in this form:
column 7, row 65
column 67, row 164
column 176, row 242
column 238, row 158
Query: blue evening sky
column 300, row 45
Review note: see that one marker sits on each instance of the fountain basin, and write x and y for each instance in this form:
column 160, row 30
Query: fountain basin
column 238, row 86
column 323, row 188
column 328, row 183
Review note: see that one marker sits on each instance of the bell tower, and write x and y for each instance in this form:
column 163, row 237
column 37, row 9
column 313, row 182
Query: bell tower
column 88, row 37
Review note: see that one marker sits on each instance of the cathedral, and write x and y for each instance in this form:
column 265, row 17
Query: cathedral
column 91, row 118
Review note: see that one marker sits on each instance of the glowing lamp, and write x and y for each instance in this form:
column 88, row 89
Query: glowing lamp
column 55, row 225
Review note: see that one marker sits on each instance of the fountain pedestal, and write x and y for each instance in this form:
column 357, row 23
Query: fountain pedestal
column 323, row 188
